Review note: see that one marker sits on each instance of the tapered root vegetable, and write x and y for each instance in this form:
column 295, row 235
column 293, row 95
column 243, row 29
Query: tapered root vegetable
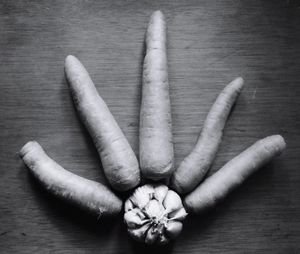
column 89, row 195
column 156, row 145
column 234, row 173
column 118, row 159
column 194, row 167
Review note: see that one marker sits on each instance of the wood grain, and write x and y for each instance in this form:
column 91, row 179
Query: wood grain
column 210, row 43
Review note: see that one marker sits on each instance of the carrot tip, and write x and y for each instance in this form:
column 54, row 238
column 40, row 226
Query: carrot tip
column 28, row 147
column 238, row 82
column 157, row 12
column 69, row 59
column 279, row 140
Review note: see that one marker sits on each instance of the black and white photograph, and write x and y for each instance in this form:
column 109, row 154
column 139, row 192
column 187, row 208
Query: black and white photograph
column 163, row 126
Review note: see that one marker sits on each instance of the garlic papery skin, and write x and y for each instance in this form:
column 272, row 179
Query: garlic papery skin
column 154, row 214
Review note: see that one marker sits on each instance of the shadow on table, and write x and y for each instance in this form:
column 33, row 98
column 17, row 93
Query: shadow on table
column 57, row 207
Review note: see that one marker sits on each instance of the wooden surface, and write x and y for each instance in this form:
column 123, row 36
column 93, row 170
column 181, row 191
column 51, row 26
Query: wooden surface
column 210, row 43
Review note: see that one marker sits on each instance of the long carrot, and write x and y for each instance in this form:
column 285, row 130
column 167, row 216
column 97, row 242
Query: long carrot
column 118, row 159
column 89, row 195
column 156, row 145
column 194, row 167
column 234, row 173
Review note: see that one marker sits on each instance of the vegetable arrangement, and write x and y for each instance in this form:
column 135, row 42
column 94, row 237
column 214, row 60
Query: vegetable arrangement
column 154, row 212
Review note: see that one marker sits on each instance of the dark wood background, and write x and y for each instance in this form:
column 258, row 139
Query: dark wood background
column 210, row 43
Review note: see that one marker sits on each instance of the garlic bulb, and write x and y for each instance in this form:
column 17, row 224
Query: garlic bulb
column 154, row 214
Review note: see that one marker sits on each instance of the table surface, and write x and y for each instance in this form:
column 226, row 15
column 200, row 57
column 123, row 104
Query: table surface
column 209, row 44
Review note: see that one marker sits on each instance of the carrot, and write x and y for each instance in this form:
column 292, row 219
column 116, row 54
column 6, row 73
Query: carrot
column 89, row 195
column 234, row 173
column 118, row 159
column 155, row 139
column 194, row 167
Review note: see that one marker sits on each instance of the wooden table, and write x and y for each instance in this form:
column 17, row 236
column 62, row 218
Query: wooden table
column 210, row 43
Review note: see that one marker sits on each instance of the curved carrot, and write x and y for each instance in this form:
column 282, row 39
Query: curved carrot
column 89, row 195
column 156, row 145
column 118, row 159
column 234, row 173
column 194, row 167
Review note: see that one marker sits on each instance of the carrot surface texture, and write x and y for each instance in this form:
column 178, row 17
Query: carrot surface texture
column 91, row 196
column 216, row 187
column 119, row 162
column 155, row 140
column 194, row 167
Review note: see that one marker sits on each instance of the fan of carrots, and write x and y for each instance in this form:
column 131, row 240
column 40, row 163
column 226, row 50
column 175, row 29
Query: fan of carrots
column 154, row 212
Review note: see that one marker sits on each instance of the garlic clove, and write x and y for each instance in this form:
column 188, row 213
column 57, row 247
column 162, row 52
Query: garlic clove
column 178, row 214
column 173, row 229
column 133, row 220
column 140, row 232
column 128, row 205
column 141, row 214
column 160, row 192
column 154, row 209
column 172, row 202
column 142, row 196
